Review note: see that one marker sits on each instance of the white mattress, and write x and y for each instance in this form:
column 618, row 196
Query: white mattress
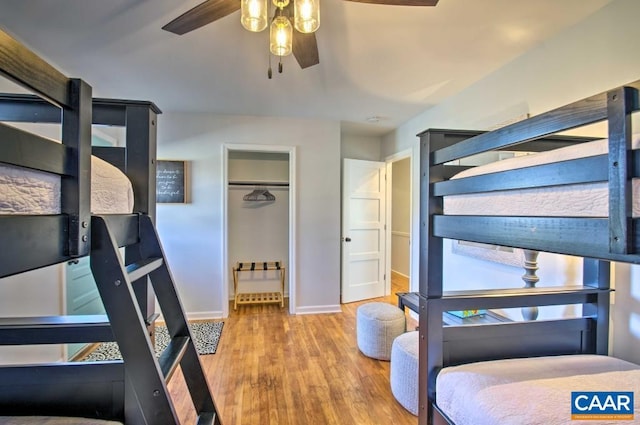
column 530, row 391
column 24, row 191
column 587, row 200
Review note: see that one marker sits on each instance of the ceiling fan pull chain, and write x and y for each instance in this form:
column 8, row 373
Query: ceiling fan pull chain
column 280, row 66
column 269, row 72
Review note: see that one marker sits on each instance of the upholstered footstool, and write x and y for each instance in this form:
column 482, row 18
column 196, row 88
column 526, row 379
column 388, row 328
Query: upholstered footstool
column 377, row 325
column 404, row 370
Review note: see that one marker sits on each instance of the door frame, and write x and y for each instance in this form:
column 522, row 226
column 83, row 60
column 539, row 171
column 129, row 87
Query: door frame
column 292, row 274
column 414, row 204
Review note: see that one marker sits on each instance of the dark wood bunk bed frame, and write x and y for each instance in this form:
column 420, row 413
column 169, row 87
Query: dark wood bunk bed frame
column 132, row 391
column 598, row 240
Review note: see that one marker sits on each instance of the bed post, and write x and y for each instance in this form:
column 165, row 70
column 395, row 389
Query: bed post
column 141, row 131
column 597, row 274
column 76, row 188
column 430, row 282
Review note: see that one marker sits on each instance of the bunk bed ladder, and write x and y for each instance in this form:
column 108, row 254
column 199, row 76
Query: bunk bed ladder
column 146, row 376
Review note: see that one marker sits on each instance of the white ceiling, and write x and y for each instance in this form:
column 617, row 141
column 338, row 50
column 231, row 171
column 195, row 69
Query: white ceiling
column 387, row 61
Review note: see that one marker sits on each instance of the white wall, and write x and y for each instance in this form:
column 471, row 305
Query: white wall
column 593, row 56
column 35, row 293
column 361, row 147
column 192, row 233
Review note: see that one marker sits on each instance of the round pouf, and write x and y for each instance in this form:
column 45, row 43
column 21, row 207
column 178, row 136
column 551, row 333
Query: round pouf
column 404, row 371
column 377, row 325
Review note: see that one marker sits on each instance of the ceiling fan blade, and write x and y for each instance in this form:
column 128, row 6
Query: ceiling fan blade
column 400, row 2
column 305, row 49
column 201, row 15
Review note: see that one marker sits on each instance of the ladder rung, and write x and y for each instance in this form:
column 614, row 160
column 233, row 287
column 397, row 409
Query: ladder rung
column 143, row 267
column 207, row 418
column 171, row 356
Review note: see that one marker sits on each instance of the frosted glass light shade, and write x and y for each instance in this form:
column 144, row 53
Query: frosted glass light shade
column 307, row 15
column 280, row 36
column 253, row 14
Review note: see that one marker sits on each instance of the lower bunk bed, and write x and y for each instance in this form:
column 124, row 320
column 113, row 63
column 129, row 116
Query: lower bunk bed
column 530, row 371
column 57, row 204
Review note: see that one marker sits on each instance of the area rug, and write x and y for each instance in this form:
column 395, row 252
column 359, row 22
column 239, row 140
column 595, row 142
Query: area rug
column 206, row 336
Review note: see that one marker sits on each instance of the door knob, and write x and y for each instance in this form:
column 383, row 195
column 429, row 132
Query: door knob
column 347, row 239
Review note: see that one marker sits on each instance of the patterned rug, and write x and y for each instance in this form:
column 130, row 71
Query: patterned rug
column 205, row 334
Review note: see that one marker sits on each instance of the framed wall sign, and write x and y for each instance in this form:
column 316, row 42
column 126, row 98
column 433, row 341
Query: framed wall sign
column 171, row 182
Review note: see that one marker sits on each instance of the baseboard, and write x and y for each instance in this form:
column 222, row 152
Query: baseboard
column 199, row 315
column 319, row 309
column 393, row 272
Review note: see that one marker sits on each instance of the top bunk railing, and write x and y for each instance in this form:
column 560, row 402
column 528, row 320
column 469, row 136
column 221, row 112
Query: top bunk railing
column 612, row 237
column 72, row 160
column 603, row 106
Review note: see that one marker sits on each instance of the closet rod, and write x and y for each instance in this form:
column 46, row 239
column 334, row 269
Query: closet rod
column 258, row 183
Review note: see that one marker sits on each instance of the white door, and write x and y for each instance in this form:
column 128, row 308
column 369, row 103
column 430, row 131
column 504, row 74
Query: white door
column 363, row 230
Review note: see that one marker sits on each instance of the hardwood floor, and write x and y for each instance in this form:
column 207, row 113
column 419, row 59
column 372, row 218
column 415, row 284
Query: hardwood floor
column 274, row 368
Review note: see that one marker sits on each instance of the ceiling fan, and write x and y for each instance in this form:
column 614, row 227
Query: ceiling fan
column 304, row 45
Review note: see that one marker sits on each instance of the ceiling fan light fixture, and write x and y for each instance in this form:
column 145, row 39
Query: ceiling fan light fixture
column 281, row 4
column 280, row 36
column 306, row 15
column 254, row 15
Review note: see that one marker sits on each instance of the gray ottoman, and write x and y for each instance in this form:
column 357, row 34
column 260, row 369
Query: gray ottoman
column 377, row 325
column 404, row 371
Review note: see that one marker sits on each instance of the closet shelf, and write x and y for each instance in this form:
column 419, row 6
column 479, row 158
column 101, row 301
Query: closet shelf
column 258, row 183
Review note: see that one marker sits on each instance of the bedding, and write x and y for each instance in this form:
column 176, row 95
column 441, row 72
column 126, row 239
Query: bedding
column 585, row 200
column 24, row 191
column 531, row 390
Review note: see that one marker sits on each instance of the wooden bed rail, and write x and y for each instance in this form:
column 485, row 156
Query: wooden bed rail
column 583, row 112
column 518, row 297
column 21, row 65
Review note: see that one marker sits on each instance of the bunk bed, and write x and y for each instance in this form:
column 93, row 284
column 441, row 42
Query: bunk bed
column 134, row 390
column 476, row 374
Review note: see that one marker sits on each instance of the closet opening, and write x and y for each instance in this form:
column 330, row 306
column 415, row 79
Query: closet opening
column 259, row 226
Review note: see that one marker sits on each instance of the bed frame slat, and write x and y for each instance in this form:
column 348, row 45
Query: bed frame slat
column 518, row 297
column 504, row 340
column 584, row 237
column 25, row 149
column 21, row 65
column 85, row 389
column 43, row 237
column 55, row 330
column 583, row 112
column 585, row 170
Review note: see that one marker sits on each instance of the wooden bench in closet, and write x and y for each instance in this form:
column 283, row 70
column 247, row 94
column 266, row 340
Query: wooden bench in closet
column 257, row 297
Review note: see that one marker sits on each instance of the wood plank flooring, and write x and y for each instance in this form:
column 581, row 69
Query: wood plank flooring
column 272, row 368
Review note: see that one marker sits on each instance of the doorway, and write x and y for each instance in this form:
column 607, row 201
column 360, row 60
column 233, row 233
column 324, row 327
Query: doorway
column 400, row 200
column 401, row 264
column 259, row 218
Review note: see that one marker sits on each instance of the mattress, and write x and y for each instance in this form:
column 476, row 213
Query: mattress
column 530, row 391
column 585, row 200
column 24, row 191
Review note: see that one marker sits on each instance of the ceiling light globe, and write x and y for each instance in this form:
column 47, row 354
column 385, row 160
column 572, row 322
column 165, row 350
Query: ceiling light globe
column 307, row 15
column 280, row 36
column 254, row 15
